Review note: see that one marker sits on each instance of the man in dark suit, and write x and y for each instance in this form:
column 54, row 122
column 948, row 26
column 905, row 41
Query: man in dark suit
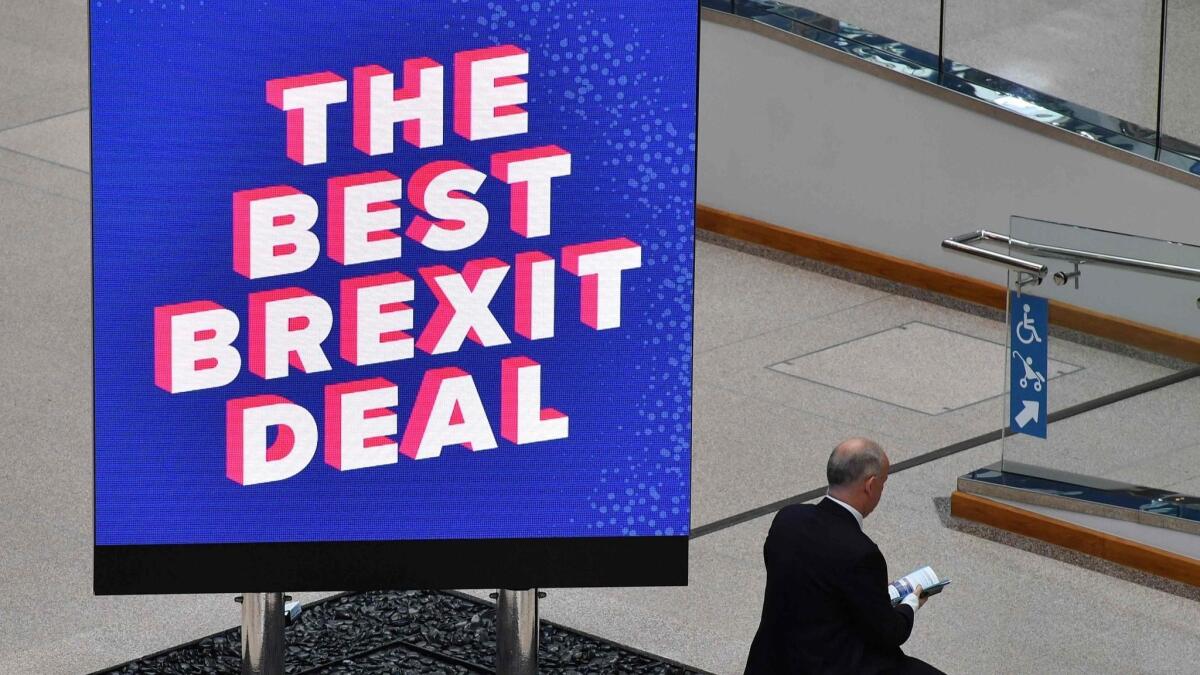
column 827, row 608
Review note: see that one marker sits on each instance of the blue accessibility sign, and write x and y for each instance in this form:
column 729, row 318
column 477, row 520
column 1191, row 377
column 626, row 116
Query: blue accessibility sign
column 1028, row 321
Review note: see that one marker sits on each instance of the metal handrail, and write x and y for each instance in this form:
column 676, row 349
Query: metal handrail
column 963, row 244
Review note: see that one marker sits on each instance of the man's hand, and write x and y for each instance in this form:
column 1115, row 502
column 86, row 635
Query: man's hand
column 921, row 598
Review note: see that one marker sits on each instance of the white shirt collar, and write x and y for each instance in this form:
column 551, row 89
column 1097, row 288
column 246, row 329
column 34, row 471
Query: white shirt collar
column 853, row 511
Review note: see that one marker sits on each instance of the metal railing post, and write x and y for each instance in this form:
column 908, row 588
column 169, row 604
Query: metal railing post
column 262, row 633
column 517, row 632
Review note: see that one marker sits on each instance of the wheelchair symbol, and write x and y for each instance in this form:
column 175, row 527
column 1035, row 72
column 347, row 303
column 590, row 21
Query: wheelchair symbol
column 1031, row 375
column 1026, row 333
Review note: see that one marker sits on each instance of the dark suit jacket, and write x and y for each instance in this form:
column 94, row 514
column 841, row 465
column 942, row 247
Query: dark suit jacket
column 826, row 608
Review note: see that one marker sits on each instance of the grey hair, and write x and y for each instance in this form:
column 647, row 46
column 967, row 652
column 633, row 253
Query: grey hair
column 853, row 460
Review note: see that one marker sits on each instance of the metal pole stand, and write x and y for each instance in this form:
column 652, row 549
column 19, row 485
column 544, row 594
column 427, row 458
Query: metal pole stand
column 517, row 632
column 262, row 633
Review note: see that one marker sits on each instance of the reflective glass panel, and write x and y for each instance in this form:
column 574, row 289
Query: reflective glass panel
column 1181, row 88
column 1138, row 427
column 1102, row 55
column 913, row 22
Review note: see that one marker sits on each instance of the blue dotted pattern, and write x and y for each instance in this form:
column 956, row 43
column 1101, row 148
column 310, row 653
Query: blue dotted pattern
column 597, row 72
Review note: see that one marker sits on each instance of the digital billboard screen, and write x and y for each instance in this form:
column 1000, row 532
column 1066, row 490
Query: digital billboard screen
column 392, row 294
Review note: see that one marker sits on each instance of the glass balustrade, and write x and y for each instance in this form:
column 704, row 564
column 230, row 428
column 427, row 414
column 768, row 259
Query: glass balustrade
column 1140, row 447
column 1180, row 84
column 1119, row 72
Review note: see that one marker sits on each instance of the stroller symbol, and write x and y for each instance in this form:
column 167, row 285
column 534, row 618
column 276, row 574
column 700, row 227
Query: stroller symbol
column 1030, row 332
column 1031, row 375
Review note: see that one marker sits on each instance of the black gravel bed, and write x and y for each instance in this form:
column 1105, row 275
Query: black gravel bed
column 388, row 632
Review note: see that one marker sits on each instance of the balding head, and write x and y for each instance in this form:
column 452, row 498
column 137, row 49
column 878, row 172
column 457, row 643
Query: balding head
column 853, row 460
column 857, row 470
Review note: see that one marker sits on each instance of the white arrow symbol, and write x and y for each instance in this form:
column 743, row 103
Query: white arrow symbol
column 1029, row 412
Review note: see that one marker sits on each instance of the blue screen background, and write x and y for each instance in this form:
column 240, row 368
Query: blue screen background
column 180, row 122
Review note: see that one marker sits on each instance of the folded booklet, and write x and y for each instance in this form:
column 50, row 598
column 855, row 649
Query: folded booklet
column 925, row 577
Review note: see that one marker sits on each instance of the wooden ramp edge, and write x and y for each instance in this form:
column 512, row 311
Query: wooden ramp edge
column 1069, row 535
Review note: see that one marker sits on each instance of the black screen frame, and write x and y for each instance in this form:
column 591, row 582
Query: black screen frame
column 391, row 565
